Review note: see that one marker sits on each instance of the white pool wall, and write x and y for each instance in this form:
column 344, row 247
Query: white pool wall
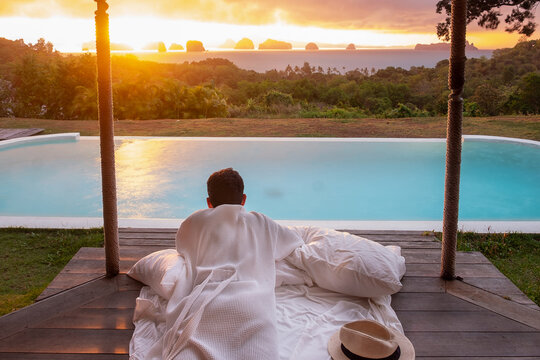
column 92, row 222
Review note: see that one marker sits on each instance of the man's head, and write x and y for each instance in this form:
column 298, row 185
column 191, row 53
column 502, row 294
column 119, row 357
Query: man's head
column 225, row 187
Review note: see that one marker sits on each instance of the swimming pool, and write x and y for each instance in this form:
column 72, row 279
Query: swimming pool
column 286, row 178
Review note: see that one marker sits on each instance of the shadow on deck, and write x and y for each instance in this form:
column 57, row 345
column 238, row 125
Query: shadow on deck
column 84, row 315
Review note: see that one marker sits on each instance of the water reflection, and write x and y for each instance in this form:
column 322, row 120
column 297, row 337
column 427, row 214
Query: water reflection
column 138, row 179
column 151, row 176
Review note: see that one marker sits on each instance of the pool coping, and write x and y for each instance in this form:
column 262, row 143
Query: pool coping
column 93, row 222
column 39, row 139
column 90, row 222
column 76, row 136
column 324, row 139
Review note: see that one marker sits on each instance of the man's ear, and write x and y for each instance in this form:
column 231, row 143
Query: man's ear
column 210, row 206
column 243, row 200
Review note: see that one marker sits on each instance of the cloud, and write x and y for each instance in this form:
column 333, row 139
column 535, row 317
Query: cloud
column 406, row 16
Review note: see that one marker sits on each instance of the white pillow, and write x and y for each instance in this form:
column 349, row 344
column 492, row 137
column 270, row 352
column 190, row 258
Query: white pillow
column 160, row 270
column 349, row 264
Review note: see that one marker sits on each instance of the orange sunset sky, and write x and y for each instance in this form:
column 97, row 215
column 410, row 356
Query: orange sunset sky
column 69, row 23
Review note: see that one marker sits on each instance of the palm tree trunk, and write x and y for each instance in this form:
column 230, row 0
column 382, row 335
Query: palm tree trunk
column 106, row 134
column 456, row 80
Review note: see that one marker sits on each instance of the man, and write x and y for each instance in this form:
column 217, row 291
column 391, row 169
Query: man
column 230, row 254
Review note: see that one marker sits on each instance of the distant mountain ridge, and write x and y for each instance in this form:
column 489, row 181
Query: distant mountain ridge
column 442, row 46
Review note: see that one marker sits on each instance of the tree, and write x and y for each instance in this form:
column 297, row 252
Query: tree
column 488, row 98
column 43, row 46
column 529, row 87
column 487, row 12
column 85, row 103
column 6, row 98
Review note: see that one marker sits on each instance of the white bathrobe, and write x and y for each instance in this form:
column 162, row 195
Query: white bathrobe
column 229, row 312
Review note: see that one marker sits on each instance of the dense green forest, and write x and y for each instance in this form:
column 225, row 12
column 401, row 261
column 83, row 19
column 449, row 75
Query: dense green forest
column 38, row 82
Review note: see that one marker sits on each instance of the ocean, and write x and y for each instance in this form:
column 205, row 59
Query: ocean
column 341, row 60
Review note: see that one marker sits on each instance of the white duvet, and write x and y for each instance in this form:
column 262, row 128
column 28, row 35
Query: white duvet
column 332, row 279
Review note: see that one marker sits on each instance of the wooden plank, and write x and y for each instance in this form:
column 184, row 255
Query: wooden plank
column 90, row 253
column 118, row 300
column 137, row 252
column 422, row 284
column 164, row 243
column 430, row 302
column 413, row 244
column 65, row 281
column 463, row 270
column 355, row 232
column 87, row 341
column 36, row 356
column 142, row 235
column 386, row 232
column 6, row 134
column 48, row 292
column 374, row 237
column 417, row 256
column 494, row 303
column 148, row 238
column 408, row 238
column 502, row 287
column 126, row 253
column 381, row 237
column 450, row 321
column 433, row 256
column 488, row 344
column 83, row 266
column 147, row 242
column 125, row 283
column 55, row 305
column 90, row 318
column 521, row 299
column 148, row 230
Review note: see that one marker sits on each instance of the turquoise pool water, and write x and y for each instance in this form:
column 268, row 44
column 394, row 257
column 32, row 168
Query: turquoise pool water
column 299, row 179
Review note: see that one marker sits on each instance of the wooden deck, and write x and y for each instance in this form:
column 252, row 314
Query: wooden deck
column 83, row 315
column 6, row 134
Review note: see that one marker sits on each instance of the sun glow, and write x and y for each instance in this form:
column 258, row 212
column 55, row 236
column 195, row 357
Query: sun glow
column 69, row 34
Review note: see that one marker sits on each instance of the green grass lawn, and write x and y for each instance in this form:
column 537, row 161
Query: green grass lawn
column 517, row 126
column 516, row 255
column 31, row 258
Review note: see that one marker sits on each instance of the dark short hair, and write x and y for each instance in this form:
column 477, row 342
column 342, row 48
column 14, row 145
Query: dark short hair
column 225, row 187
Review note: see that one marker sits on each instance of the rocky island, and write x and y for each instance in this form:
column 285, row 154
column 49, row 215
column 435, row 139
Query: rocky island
column 311, row 46
column 351, row 46
column 175, row 46
column 244, row 44
column 194, row 46
column 271, row 44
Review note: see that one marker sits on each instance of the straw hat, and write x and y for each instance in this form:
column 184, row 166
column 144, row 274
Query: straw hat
column 367, row 339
